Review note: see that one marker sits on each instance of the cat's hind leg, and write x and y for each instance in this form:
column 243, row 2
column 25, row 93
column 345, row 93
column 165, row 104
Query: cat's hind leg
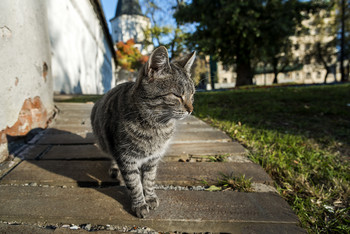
column 149, row 171
column 114, row 173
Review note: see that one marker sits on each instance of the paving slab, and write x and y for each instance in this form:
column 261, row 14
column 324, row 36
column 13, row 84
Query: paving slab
column 188, row 174
column 75, row 152
column 33, row 151
column 69, row 128
column 95, row 173
column 74, row 106
column 176, row 152
column 61, row 173
column 76, row 120
column 186, row 211
column 200, row 137
column 206, row 148
column 66, row 139
column 60, row 137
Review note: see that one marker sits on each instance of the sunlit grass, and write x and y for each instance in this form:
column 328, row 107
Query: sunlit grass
column 301, row 137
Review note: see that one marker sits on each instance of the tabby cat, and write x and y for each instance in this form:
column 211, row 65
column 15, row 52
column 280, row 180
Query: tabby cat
column 135, row 121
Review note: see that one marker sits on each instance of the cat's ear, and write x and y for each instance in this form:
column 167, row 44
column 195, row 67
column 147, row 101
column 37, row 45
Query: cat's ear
column 158, row 60
column 188, row 61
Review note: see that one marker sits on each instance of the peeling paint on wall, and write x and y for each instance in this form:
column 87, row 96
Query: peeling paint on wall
column 45, row 70
column 32, row 115
column 16, row 81
column 5, row 33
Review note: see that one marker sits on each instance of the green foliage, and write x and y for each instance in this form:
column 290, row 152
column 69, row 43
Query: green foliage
column 170, row 37
column 230, row 182
column 240, row 183
column 217, row 158
column 163, row 32
column 301, row 136
column 243, row 32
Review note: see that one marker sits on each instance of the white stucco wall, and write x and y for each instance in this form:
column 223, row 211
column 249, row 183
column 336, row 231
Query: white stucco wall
column 24, row 48
column 81, row 57
column 26, row 96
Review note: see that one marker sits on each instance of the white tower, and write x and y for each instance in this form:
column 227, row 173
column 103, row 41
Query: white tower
column 129, row 23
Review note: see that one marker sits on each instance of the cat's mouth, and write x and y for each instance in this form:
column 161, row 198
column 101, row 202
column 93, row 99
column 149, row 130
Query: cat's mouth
column 183, row 115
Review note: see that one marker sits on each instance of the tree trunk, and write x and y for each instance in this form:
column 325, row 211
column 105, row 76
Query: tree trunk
column 342, row 42
column 275, row 70
column 325, row 77
column 275, row 78
column 244, row 74
column 213, row 71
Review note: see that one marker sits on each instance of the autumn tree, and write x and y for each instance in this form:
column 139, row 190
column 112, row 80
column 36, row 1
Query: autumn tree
column 129, row 57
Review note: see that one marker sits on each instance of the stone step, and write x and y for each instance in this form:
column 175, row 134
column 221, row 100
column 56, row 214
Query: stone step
column 59, row 137
column 200, row 137
column 65, row 138
column 182, row 211
column 69, row 128
column 73, row 106
column 95, row 173
column 231, row 151
column 206, row 148
column 86, row 127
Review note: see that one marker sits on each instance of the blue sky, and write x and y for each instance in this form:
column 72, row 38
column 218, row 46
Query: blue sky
column 109, row 7
column 163, row 17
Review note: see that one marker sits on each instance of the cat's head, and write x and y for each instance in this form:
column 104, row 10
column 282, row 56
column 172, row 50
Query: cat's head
column 166, row 89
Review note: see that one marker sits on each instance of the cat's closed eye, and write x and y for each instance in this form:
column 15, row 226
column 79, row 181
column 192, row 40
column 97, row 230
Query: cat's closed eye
column 177, row 96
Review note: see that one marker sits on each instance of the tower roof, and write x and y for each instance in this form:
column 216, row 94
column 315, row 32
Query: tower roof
column 128, row 7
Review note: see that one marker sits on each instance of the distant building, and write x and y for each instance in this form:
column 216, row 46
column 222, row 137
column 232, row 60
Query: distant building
column 316, row 29
column 130, row 23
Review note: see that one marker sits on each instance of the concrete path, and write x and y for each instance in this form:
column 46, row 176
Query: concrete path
column 59, row 183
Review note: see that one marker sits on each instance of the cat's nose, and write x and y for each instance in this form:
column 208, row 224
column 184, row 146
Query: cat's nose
column 189, row 107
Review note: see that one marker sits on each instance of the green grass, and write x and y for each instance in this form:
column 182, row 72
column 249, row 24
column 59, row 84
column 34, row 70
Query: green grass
column 301, row 137
column 230, row 182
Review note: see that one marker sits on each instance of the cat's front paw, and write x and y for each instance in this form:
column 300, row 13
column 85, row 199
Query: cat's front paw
column 141, row 211
column 153, row 202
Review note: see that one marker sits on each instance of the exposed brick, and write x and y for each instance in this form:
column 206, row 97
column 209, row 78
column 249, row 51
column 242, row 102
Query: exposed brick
column 32, row 115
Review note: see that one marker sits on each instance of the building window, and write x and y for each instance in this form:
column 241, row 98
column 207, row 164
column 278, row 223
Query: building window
column 317, row 31
column 318, row 75
column 224, row 80
column 307, row 46
column 226, row 68
column 297, row 76
column 308, row 76
column 307, row 59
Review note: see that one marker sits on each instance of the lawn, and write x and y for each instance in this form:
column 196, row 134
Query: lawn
column 301, row 137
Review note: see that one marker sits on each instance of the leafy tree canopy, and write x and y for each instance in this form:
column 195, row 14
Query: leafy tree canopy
column 241, row 32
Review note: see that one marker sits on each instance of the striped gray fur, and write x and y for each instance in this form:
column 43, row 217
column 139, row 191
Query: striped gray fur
column 134, row 123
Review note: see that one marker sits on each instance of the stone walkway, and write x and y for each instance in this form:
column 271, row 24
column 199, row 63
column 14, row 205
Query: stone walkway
column 61, row 182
